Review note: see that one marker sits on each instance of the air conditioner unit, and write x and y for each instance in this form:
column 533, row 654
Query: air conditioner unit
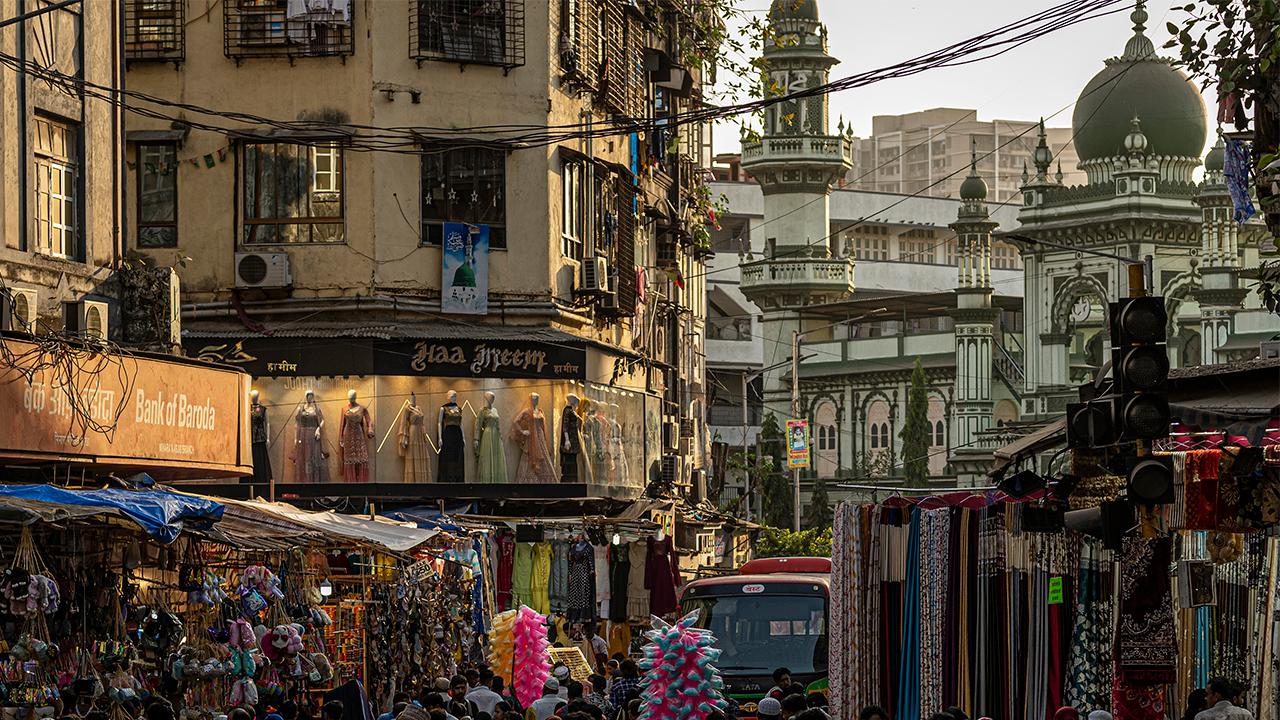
column 670, row 435
column 686, row 427
column 1269, row 349
column 670, row 469
column 18, row 310
column 595, row 275
column 87, row 318
column 263, row 270
column 686, row 447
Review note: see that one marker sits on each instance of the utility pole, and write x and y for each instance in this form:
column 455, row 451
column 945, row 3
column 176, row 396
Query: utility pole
column 795, row 413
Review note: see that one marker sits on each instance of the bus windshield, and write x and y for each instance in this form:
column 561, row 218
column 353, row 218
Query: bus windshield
column 758, row 633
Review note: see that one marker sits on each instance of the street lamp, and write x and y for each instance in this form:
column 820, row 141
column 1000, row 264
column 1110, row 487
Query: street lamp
column 796, row 335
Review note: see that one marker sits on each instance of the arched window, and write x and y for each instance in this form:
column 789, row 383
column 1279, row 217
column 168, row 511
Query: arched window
column 875, row 437
column 939, row 434
column 884, row 435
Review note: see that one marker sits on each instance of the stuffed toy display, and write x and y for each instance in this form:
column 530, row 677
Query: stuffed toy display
column 681, row 681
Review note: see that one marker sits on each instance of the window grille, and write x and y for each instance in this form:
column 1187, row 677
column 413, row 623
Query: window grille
column 155, row 30
column 469, row 32
column 287, row 28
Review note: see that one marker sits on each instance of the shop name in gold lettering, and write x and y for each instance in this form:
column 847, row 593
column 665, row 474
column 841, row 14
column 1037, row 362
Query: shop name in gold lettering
column 486, row 358
column 282, row 366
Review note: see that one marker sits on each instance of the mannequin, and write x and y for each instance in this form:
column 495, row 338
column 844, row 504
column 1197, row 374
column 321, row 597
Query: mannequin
column 354, row 434
column 604, row 457
column 310, row 462
column 573, row 467
column 491, row 459
column 617, row 452
column 413, row 443
column 449, row 426
column 260, row 434
column 592, row 440
column 529, row 431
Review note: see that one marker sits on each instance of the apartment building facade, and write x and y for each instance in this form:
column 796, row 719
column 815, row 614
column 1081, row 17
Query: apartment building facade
column 362, row 203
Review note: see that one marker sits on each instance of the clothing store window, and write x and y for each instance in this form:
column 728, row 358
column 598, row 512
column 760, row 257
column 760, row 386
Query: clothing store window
column 293, row 193
column 56, row 186
column 157, row 168
column 573, row 181
column 466, row 185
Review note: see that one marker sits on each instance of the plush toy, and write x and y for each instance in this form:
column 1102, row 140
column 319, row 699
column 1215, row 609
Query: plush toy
column 322, row 671
column 529, row 651
column 241, row 635
column 244, row 692
column 681, row 683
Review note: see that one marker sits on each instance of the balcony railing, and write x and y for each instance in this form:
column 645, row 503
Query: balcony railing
column 832, row 147
column 804, row 270
column 154, row 30
column 274, row 28
column 467, row 32
column 729, row 329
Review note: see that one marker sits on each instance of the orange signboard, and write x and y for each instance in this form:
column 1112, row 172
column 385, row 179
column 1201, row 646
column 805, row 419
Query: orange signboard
column 168, row 417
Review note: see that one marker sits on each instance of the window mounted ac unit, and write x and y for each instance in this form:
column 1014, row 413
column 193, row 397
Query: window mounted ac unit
column 18, row 310
column 87, row 318
column 670, row 469
column 263, row 270
column 595, row 275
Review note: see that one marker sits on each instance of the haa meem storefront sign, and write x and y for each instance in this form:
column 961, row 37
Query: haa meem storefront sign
column 169, row 417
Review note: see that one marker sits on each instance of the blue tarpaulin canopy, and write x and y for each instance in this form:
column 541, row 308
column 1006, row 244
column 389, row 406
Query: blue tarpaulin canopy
column 163, row 515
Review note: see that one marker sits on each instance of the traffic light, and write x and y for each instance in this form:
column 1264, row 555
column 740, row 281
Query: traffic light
column 1140, row 368
column 1150, row 480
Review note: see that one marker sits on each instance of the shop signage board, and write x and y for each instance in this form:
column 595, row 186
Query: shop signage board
column 797, row 444
column 446, row 357
column 156, row 413
column 1055, row 590
column 464, row 280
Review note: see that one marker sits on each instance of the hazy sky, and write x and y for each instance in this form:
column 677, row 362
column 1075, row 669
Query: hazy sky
column 1038, row 79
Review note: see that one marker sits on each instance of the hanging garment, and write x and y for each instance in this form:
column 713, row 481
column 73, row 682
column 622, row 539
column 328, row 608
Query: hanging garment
column 582, row 583
column 491, row 458
column 260, row 435
column 357, row 427
column 452, row 464
column 506, row 547
column 310, row 463
column 934, row 561
column 1236, row 169
column 1201, row 486
column 600, row 555
column 619, row 638
column 662, row 576
column 597, row 434
column 529, row 433
column 1089, row 672
column 619, row 576
column 570, row 445
column 540, row 578
column 522, row 576
column 1146, row 644
column 618, row 454
column 559, row 587
column 637, row 584
column 414, row 446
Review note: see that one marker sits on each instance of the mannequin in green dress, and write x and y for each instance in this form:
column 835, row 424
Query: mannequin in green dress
column 491, row 458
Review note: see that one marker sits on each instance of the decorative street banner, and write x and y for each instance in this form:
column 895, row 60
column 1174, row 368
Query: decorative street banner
column 797, row 444
column 464, row 284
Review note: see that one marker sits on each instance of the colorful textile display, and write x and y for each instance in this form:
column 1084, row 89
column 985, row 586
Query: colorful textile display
column 854, row 629
column 681, row 683
column 1146, row 644
column 529, row 650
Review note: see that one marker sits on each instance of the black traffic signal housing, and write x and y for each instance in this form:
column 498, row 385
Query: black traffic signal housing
column 1150, row 480
column 1140, row 368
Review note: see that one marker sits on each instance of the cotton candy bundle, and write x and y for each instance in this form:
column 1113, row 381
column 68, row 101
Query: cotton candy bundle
column 681, row 682
column 529, row 649
column 500, row 645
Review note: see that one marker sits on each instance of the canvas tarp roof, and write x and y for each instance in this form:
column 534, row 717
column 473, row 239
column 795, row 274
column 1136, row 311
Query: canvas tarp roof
column 393, row 536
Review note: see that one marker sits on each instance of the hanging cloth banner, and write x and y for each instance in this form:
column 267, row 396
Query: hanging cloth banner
column 797, row 444
column 464, row 286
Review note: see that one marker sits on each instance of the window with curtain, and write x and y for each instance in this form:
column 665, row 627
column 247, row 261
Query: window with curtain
column 293, row 193
column 157, row 168
column 573, row 181
column 466, row 185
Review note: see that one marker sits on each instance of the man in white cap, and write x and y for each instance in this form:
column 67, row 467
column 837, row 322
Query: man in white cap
column 1100, row 715
column 546, row 706
column 769, row 709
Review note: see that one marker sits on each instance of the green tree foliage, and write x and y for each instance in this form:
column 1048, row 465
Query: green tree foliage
column 775, row 542
column 776, row 491
column 916, row 431
column 819, row 514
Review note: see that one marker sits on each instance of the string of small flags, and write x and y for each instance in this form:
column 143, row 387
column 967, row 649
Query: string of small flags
column 208, row 160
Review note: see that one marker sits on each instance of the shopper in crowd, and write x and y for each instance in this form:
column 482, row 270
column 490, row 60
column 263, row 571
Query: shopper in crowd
column 332, row 710
column 398, row 703
column 959, row 713
column 781, row 681
column 769, row 708
column 1066, row 713
column 458, row 705
column 1196, row 702
column 1100, row 715
column 599, row 695
column 1220, row 695
column 473, row 677
column 545, row 706
column 793, row 705
column 813, row 714
column 942, row 716
column 873, row 712
column 435, row 701
column 240, row 713
column 485, row 696
column 628, row 680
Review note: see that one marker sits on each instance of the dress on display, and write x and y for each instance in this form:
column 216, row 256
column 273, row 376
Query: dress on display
column 260, row 435
column 593, row 440
column 309, row 463
column 535, row 456
column 522, row 575
column 661, row 577
column 413, row 445
column 506, row 558
column 491, row 457
column 540, row 579
column 452, row 464
column 356, row 428
column 570, row 445
column 618, row 454
column 582, row 582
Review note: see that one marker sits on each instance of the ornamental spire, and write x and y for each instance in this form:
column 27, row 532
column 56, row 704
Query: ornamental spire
column 1139, row 46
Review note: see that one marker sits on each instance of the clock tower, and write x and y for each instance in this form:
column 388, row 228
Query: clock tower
column 795, row 160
